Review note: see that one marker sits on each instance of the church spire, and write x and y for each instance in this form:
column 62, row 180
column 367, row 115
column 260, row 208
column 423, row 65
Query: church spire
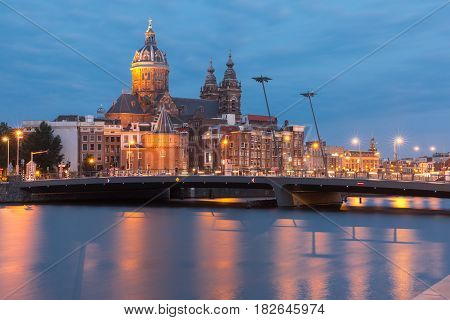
column 230, row 91
column 209, row 90
column 164, row 123
column 373, row 145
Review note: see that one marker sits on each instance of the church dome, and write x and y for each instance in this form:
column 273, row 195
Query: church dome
column 150, row 53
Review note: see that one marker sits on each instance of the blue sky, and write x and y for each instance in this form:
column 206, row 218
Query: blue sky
column 403, row 89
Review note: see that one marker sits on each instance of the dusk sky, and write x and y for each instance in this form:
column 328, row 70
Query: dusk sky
column 402, row 89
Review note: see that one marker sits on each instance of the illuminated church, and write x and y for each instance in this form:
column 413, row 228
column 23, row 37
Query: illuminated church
column 150, row 91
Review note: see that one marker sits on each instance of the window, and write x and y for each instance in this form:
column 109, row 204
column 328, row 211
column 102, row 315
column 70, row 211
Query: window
column 163, row 154
column 85, row 147
column 85, row 138
column 139, row 155
column 106, row 139
column 83, row 156
column 112, row 139
column 125, row 139
column 99, row 157
column 92, row 138
column 99, row 138
column 92, row 146
column 99, row 146
column 117, row 139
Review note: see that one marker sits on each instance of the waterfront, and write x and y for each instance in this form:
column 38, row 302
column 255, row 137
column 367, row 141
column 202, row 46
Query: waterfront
column 221, row 252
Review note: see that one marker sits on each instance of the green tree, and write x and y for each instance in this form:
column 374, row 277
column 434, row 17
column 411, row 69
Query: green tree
column 39, row 140
column 7, row 132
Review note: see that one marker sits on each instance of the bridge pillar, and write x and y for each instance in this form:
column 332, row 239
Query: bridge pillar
column 288, row 197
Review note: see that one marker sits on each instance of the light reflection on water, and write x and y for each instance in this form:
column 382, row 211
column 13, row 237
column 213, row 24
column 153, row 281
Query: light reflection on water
column 397, row 202
column 226, row 253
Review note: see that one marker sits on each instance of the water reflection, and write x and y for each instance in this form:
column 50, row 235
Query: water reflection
column 217, row 255
column 19, row 245
column 192, row 253
column 397, row 202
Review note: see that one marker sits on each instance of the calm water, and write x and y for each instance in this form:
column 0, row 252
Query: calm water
column 224, row 253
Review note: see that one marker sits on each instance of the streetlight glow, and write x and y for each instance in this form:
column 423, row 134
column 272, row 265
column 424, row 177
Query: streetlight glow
column 355, row 141
column 5, row 139
column 432, row 148
column 416, row 148
column 399, row 140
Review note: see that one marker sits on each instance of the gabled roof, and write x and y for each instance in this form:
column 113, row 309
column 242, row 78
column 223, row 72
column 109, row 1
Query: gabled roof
column 126, row 103
column 189, row 107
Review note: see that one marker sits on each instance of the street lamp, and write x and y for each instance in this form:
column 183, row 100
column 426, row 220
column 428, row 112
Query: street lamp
column 416, row 148
column 129, row 153
column 224, row 160
column 356, row 141
column 432, row 148
column 19, row 134
column 5, row 139
column 308, row 95
column 397, row 141
column 263, row 79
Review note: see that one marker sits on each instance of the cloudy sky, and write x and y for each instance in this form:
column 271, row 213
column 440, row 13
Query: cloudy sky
column 402, row 89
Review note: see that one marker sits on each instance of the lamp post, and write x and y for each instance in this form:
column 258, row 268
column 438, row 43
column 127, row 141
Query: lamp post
column 263, row 79
column 356, row 141
column 18, row 137
column 308, row 95
column 397, row 141
column 224, row 160
column 6, row 140
column 130, row 142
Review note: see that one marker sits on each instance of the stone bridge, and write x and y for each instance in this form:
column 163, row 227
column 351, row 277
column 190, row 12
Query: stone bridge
column 289, row 191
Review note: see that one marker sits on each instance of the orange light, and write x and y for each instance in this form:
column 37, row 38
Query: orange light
column 225, row 142
column 5, row 139
column 315, row 145
column 91, row 161
column 19, row 133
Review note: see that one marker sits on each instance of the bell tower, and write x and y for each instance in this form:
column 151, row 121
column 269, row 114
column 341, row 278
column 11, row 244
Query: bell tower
column 210, row 91
column 230, row 92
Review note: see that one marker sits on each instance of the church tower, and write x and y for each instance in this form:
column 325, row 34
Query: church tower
column 230, row 92
column 210, row 91
column 149, row 72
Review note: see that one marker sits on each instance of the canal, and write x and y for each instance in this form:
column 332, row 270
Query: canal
column 381, row 248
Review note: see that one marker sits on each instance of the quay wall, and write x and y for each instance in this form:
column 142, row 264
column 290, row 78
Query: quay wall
column 10, row 192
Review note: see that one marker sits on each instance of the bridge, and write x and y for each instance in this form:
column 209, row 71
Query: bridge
column 289, row 191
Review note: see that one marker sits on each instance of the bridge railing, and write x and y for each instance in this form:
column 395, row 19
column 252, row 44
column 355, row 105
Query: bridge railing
column 435, row 177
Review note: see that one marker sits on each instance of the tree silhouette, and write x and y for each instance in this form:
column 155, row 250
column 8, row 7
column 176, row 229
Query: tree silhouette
column 39, row 140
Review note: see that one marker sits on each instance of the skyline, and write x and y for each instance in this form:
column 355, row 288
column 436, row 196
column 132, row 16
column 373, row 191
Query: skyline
column 60, row 82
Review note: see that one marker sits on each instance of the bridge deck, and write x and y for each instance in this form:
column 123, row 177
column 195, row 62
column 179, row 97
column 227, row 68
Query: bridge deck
column 293, row 184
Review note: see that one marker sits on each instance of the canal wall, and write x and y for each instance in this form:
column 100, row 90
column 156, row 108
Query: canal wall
column 10, row 192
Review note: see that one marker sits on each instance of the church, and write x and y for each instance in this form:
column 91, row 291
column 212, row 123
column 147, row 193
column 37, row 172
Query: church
column 150, row 92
